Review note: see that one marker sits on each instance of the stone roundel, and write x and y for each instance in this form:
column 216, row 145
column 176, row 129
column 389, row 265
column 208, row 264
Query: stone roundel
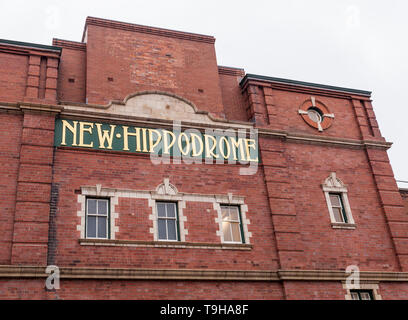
column 324, row 115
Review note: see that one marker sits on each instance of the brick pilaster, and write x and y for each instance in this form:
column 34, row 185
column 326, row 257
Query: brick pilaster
column 273, row 119
column 256, row 107
column 42, row 78
column 391, row 202
column 282, row 204
column 33, row 190
column 366, row 119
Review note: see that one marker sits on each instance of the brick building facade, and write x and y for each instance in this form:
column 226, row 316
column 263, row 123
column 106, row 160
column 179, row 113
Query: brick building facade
column 292, row 183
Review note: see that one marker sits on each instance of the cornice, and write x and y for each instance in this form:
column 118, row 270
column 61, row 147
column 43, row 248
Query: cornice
column 164, row 244
column 101, row 115
column 147, row 30
column 23, row 48
column 73, row 45
column 304, row 87
column 230, row 71
column 24, row 106
column 11, row 271
column 339, row 275
column 292, row 136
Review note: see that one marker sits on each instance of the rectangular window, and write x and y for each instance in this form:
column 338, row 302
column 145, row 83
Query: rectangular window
column 97, row 218
column 361, row 294
column 231, row 224
column 167, row 221
column 338, row 208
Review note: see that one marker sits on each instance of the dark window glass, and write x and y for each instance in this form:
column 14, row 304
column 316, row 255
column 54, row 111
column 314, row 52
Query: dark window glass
column 97, row 219
column 167, row 221
column 361, row 294
column 338, row 207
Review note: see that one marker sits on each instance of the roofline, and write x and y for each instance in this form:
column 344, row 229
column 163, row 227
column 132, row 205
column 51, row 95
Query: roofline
column 250, row 76
column 31, row 45
column 146, row 29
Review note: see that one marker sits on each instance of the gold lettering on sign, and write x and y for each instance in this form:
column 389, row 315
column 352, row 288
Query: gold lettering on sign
column 166, row 145
column 180, row 143
column 82, row 130
column 109, row 136
column 209, row 151
column 126, row 134
column 144, row 139
column 106, row 135
column 153, row 143
column 250, row 145
column 224, row 141
column 235, row 145
column 196, row 138
column 73, row 129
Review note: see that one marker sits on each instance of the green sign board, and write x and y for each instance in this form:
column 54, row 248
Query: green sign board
column 213, row 144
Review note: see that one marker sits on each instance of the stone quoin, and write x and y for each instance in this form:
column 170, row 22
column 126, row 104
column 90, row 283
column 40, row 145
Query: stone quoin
column 293, row 197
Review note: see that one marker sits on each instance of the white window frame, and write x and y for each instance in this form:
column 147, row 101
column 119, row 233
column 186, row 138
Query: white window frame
column 362, row 286
column 239, row 222
column 168, row 218
column 334, row 185
column 344, row 217
column 99, row 192
column 97, row 216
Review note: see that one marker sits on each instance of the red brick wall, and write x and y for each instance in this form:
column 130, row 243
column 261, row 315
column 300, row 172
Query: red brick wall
column 13, row 77
column 289, row 218
column 232, row 98
column 286, row 105
column 393, row 290
column 10, row 139
column 138, row 173
column 314, row 290
column 404, row 195
column 141, row 61
column 369, row 245
column 72, row 71
column 140, row 290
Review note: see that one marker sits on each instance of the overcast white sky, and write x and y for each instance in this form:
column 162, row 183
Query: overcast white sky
column 357, row 44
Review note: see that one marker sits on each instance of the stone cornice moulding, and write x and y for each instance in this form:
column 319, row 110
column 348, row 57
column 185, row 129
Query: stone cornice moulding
column 99, row 113
column 156, row 105
column 304, row 87
column 28, row 50
column 146, row 29
column 72, row 45
column 164, row 244
column 11, row 271
column 323, row 139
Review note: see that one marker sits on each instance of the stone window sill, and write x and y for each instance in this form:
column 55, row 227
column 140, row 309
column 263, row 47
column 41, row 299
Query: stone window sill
column 341, row 225
column 164, row 244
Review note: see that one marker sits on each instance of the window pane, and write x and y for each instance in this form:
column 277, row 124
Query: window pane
column 103, row 207
column 101, row 227
column 365, row 296
column 161, row 210
column 234, row 213
column 91, row 227
column 171, row 227
column 171, row 210
column 162, row 229
column 338, row 216
column 354, row 296
column 314, row 115
column 92, row 206
column 335, row 200
column 225, row 213
column 227, row 231
column 236, row 232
